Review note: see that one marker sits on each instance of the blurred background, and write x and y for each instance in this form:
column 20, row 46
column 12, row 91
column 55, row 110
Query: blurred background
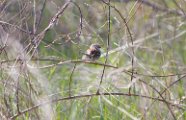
column 42, row 75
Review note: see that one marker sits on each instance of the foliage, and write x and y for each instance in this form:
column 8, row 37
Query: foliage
column 42, row 75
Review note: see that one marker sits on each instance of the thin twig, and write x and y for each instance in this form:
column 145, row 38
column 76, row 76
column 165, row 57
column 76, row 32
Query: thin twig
column 78, row 35
column 165, row 91
column 36, row 41
column 173, row 83
column 161, row 97
column 88, row 95
column 156, row 7
column 40, row 15
column 60, row 62
column 181, row 9
column 131, row 38
column 17, row 27
column 108, row 45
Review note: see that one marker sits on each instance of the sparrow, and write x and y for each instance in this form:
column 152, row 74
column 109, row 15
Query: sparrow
column 93, row 53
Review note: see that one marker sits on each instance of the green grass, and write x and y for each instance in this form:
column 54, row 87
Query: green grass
column 46, row 76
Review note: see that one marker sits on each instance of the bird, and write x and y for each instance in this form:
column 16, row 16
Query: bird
column 93, row 53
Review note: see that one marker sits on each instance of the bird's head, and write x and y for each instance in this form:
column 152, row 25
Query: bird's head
column 95, row 46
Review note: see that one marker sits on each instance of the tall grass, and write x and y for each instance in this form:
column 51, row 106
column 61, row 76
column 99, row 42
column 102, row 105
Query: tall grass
column 43, row 77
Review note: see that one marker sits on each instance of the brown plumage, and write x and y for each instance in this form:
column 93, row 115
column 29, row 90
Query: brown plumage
column 93, row 53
